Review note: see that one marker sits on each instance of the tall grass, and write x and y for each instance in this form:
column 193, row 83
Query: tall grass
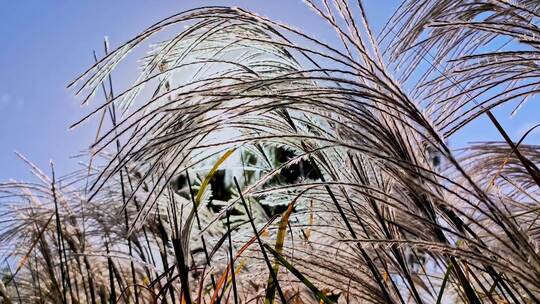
column 251, row 162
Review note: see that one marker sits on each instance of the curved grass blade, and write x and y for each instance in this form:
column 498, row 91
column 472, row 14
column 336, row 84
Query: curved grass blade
column 316, row 292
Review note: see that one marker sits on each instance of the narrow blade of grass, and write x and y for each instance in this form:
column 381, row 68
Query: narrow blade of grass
column 316, row 292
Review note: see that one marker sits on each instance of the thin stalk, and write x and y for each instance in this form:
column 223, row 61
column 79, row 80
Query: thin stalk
column 268, row 264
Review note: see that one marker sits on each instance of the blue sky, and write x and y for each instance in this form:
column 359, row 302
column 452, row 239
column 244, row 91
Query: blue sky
column 46, row 44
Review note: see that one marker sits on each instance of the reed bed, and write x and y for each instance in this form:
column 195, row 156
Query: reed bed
column 251, row 162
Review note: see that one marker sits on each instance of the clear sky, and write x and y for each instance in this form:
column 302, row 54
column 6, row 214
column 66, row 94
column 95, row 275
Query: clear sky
column 46, row 44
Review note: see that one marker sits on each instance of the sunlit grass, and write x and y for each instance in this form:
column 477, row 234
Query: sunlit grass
column 252, row 162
